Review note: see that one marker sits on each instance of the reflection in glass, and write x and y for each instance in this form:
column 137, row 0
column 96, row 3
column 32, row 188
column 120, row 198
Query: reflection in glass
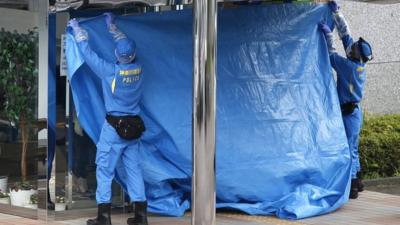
column 19, row 126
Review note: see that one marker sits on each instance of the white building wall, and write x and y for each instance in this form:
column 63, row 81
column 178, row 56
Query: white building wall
column 19, row 20
column 379, row 24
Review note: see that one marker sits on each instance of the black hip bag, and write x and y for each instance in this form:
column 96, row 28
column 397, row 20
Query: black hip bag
column 127, row 127
column 348, row 108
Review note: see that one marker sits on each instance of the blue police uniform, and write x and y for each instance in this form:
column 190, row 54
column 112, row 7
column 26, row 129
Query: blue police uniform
column 122, row 92
column 350, row 86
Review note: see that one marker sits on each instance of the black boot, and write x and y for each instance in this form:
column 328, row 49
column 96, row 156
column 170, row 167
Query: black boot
column 103, row 215
column 140, row 214
column 50, row 204
column 354, row 189
column 360, row 183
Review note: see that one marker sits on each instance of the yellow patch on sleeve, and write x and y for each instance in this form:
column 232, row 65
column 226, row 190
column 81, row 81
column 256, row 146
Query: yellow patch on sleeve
column 360, row 69
column 130, row 72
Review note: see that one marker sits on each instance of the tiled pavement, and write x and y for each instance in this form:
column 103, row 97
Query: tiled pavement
column 372, row 208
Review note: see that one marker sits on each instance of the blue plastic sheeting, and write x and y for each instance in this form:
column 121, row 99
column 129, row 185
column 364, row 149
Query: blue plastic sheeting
column 51, row 106
column 281, row 145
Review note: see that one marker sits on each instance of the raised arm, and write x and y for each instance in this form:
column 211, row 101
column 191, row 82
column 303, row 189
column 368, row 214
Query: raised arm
column 112, row 28
column 341, row 25
column 125, row 48
column 337, row 61
column 98, row 65
column 328, row 37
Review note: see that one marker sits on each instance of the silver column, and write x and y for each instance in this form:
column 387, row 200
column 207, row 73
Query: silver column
column 204, row 106
column 41, row 7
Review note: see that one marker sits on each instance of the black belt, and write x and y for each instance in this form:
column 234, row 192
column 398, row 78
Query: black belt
column 348, row 108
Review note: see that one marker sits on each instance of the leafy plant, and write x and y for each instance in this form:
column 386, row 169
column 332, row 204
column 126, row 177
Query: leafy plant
column 34, row 199
column 60, row 199
column 24, row 186
column 380, row 146
column 4, row 195
column 18, row 82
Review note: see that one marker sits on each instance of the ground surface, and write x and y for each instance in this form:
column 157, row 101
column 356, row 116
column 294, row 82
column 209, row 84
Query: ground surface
column 371, row 208
column 389, row 185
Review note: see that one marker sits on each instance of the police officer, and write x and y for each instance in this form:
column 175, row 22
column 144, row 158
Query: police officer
column 350, row 84
column 119, row 138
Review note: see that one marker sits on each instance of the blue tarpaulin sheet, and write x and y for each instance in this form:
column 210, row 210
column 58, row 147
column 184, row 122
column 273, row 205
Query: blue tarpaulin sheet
column 281, row 144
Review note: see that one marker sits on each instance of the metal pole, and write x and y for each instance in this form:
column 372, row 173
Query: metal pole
column 204, row 105
column 43, row 30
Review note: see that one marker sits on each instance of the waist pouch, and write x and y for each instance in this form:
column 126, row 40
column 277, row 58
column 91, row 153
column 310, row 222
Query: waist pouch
column 348, row 108
column 127, row 127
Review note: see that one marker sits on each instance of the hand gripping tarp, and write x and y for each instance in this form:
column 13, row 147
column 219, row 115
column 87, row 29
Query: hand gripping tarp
column 281, row 145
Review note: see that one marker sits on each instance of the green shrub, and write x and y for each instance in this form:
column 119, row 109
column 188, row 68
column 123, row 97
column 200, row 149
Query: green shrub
column 380, row 146
column 18, row 83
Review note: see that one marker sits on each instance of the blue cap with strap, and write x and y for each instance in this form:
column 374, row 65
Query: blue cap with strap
column 125, row 50
column 365, row 50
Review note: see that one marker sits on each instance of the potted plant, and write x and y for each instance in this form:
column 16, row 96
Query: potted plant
column 21, row 192
column 60, row 203
column 3, row 183
column 18, row 81
column 4, row 198
column 33, row 201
